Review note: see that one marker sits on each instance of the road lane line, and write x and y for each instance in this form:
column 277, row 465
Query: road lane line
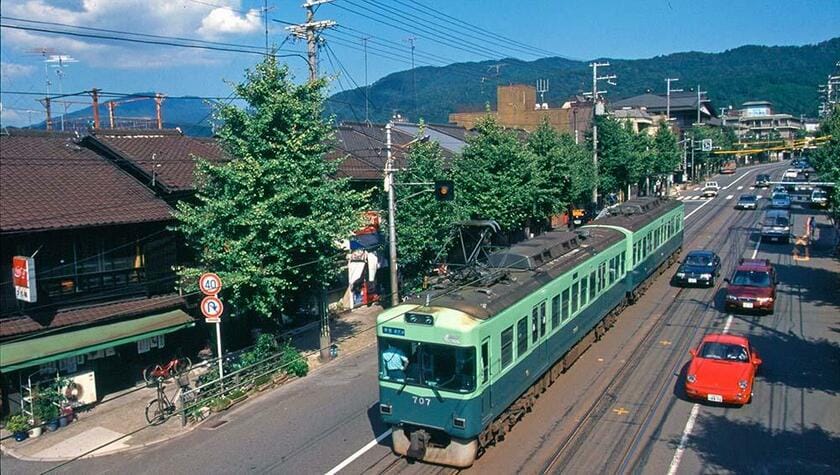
column 755, row 251
column 729, row 197
column 728, row 324
column 696, row 209
column 689, row 425
column 736, row 181
column 359, row 452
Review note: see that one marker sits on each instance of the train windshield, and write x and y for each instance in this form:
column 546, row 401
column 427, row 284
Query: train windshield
column 444, row 367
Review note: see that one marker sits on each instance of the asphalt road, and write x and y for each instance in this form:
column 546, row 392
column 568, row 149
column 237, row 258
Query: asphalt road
column 619, row 408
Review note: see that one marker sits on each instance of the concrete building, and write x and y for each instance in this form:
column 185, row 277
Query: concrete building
column 684, row 107
column 517, row 108
column 757, row 120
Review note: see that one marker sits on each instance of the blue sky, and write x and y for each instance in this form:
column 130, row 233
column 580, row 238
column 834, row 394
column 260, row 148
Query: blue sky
column 574, row 29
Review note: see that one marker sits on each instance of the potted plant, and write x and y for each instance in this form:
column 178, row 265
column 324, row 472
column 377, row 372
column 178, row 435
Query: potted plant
column 47, row 412
column 18, row 425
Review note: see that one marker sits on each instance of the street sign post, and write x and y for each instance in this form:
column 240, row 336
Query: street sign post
column 212, row 308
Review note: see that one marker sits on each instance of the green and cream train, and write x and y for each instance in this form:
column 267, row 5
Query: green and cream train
column 458, row 367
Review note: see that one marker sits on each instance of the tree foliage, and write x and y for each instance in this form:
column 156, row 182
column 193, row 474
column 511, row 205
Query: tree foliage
column 423, row 222
column 616, row 151
column 494, row 177
column 826, row 159
column 563, row 170
column 268, row 220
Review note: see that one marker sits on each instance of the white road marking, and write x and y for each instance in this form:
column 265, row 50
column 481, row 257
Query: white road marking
column 741, row 187
column 696, row 210
column 680, row 198
column 689, row 425
column 359, row 452
column 752, row 187
column 736, row 181
column 729, row 197
column 757, row 245
column 728, row 324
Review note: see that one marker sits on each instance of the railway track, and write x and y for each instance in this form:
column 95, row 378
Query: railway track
column 655, row 393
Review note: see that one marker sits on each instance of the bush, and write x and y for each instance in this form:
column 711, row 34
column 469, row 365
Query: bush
column 236, row 393
column 220, row 404
column 293, row 362
column 17, row 423
column 263, row 379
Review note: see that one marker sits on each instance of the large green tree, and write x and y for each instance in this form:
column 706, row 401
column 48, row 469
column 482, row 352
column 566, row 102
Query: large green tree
column 423, row 223
column 616, row 152
column 494, row 177
column 826, row 158
column 268, row 220
column 563, row 170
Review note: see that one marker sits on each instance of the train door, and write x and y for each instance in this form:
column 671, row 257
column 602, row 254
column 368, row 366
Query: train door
column 538, row 329
column 486, row 394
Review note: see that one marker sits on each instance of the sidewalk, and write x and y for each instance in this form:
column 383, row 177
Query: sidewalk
column 122, row 416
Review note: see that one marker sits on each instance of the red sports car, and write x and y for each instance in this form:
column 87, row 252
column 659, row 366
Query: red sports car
column 722, row 369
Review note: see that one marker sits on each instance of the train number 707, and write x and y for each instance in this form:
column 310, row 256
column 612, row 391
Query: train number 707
column 423, row 401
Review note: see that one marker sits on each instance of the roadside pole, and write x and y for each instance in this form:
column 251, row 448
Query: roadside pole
column 212, row 309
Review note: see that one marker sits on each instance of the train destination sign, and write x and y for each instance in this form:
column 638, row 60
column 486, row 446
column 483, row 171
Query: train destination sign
column 393, row 331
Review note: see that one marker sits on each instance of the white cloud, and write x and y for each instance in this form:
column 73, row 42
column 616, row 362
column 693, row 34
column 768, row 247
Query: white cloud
column 14, row 71
column 225, row 21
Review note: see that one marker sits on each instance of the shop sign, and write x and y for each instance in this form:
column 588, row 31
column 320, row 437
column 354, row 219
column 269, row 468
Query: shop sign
column 23, row 276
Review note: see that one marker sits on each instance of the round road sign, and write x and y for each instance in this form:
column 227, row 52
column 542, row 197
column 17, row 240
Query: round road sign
column 209, row 283
column 211, row 307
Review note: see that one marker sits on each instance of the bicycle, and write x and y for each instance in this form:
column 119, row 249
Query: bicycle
column 160, row 408
column 175, row 367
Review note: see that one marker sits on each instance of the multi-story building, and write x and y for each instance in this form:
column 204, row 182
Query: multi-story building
column 88, row 286
column 685, row 108
column 757, row 120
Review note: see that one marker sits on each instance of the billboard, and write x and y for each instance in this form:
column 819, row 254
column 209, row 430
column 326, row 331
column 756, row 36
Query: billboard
column 23, row 277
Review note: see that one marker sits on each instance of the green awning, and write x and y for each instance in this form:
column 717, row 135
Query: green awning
column 37, row 351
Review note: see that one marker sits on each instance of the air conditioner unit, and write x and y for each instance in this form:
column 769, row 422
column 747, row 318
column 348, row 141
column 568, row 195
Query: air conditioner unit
column 81, row 388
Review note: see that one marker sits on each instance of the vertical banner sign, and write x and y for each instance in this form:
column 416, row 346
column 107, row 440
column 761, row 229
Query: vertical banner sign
column 23, row 276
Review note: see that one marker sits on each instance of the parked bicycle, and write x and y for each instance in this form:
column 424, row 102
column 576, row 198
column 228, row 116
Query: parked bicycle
column 174, row 368
column 160, row 408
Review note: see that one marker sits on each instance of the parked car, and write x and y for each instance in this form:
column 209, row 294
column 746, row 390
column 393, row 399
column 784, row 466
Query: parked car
column 819, row 198
column 747, row 202
column 762, row 180
column 776, row 225
column 722, row 369
column 752, row 286
column 791, row 173
column 780, row 201
column 699, row 267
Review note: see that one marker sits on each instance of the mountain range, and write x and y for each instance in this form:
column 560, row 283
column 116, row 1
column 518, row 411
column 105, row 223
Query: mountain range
column 788, row 76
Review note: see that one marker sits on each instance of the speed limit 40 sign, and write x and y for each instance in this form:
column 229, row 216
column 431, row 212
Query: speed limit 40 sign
column 209, row 283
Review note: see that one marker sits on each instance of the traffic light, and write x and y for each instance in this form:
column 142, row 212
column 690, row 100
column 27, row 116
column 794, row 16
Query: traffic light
column 444, row 190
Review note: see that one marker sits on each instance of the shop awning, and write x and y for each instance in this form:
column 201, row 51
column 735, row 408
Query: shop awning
column 37, row 351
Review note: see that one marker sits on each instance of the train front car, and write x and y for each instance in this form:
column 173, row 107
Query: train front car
column 428, row 369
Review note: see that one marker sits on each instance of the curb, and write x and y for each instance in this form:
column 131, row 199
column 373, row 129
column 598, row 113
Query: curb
column 12, row 453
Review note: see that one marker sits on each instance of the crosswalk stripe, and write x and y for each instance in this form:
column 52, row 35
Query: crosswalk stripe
column 741, row 187
column 729, row 197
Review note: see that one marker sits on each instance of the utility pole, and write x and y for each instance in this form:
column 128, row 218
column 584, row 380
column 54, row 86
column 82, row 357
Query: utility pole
column 49, row 112
column 111, row 119
column 367, row 86
column 95, row 95
column 668, row 92
column 411, row 40
column 265, row 22
column 699, row 93
column 309, row 32
column 158, row 112
column 392, row 228
column 595, row 94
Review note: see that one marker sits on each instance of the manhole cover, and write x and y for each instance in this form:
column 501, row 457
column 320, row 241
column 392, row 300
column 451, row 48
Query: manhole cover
column 216, row 424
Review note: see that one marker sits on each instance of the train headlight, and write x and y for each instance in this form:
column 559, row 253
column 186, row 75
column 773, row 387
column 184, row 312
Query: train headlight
column 385, row 408
column 459, row 422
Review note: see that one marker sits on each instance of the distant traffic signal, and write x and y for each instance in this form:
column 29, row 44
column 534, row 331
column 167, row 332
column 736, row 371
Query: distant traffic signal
column 444, row 190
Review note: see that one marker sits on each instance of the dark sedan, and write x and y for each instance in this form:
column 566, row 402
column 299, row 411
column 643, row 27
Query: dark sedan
column 699, row 268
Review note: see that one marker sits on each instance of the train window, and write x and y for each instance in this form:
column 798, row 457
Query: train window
column 583, row 292
column 507, row 347
column 535, row 317
column 542, row 318
column 602, row 270
column 521, row 337
column 612, row 270
column 635, row 253
column 621, row 263
column 485, row 357
column 555, row 312
column 592, row 290
column 575, row 295
column 565, row 313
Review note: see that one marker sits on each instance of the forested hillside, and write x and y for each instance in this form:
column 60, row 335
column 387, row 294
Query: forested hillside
column 786, row 75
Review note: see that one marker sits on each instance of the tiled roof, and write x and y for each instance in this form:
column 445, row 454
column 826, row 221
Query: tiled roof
column 168, row 154
column 89, row 314
column 49, row 182
column 656, row 102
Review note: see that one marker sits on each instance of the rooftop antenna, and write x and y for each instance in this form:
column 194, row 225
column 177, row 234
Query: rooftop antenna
column 60, row 61
column 45, row 52
column 542, row 88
